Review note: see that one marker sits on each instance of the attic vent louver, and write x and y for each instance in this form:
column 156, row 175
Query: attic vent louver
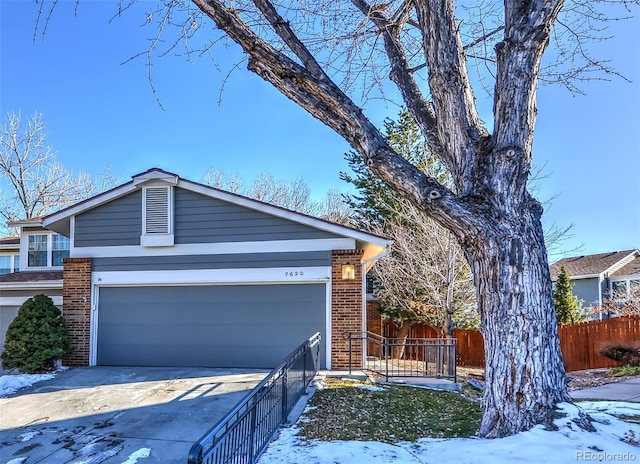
column 157, row 210
column 157, row 227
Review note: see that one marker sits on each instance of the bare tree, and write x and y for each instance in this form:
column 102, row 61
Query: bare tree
column 291, row 194
column 426, row 278
column 33, row 183
column 230, row 182
column 623, row 302
column 320, row 53
column 334, row 208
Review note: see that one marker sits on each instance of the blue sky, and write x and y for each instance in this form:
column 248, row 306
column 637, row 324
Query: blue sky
column 100, row 112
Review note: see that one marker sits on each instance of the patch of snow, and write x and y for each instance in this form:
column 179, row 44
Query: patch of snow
column 371, row 388
column 569, row 443
column 611, row 407
column 88, row 453
column 12, row 383
column 142, row 453
column 28, row 435
column 17, row 461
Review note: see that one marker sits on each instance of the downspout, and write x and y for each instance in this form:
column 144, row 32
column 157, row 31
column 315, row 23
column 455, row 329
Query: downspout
column 363, row 310
column 600, row 280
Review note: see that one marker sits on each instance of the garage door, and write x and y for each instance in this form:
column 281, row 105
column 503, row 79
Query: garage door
column 210, row 326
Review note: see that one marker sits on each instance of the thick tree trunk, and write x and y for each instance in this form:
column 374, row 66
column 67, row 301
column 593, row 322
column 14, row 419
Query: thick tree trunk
column 524, row 370
column 401, row 340
column 490, row 212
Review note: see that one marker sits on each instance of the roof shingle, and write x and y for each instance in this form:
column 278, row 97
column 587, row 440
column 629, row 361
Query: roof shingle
column 30, row 276
column 589, row 264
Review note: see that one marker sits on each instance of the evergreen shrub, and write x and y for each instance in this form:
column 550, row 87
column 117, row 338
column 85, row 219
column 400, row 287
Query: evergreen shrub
column 36, row 338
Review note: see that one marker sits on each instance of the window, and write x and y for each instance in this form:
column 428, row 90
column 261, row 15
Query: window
column 6, row 264
column 46, row 250
column 59, row 250
column 37, row 256
column 635, row 285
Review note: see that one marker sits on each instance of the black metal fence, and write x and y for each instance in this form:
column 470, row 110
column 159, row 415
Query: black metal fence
column 402, row 357
column 245, row 432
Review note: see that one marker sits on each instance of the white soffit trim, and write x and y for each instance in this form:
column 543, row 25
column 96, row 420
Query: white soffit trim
column 622, row 262
column 274, row 246
column 578, row 277
column 155, row 175
column 35, row 285
column 213, row 276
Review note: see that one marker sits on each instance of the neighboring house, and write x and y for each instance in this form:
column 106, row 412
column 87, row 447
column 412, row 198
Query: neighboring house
column 594, row 277
column 9, row 255
column 163, row 271
column 16, row 287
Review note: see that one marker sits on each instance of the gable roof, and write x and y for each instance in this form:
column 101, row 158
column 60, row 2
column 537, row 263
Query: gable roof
column 59, row 221
column 630, row 269
column 9, row 243
column 587, row 266
column 32, row 279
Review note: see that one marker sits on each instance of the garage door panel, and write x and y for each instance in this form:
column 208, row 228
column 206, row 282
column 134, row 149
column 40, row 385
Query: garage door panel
column 217, row 326
column 161, row 356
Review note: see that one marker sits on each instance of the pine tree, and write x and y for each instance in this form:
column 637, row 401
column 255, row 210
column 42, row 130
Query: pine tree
column 566, row 303
column 426, row 278
column 36, row 338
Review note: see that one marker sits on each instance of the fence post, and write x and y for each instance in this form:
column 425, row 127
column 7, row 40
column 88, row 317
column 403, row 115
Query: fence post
column 386, row 360
column 307, row 351
column 350, row 353
column 254, row 422
column 285, row 396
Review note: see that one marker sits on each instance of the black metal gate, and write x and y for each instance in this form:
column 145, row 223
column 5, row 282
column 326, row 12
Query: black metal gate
column 402, row 357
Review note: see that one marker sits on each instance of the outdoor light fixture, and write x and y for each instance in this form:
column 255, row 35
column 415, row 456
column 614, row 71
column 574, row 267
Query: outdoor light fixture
column 348, row 272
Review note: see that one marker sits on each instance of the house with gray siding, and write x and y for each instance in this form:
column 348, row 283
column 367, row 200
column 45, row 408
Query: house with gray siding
column 15, row 286
column 595, row 277
column 164, row 271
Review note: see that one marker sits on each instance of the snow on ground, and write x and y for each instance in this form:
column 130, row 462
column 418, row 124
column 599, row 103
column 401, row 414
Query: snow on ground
column 371, row 388
column 142, row 453
column 569, row 443
column 12, row 383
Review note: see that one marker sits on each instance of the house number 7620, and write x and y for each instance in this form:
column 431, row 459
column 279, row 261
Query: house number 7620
column 293, row 273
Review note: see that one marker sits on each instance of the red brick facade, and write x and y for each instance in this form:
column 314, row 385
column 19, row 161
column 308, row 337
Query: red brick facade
column 346, row 307
column 76, row 308
column 374, row 318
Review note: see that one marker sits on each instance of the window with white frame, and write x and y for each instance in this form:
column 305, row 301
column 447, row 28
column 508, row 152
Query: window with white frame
column 623, row 288
column 46, row 250
column 618, row 287
column 9, row 263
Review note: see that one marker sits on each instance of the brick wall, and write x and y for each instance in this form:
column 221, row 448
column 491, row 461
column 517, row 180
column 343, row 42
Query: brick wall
column 76, row 308
column 374, row 318
column 346, row 307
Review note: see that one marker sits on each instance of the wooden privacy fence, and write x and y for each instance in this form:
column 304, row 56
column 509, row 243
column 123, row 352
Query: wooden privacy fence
column 580, row 343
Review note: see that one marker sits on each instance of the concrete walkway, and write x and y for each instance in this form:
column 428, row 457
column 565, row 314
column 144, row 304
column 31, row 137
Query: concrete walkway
column 113, row 415
column 629, row 390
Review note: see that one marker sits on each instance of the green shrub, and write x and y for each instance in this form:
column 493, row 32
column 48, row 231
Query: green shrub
column 36, row 338
column 624, row 371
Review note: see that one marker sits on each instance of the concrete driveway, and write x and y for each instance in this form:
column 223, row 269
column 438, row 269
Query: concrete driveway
column 117, row 414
